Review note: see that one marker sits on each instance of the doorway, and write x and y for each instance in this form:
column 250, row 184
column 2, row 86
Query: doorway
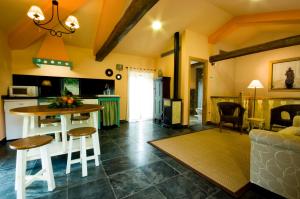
column 197, row 94
column 140, row 96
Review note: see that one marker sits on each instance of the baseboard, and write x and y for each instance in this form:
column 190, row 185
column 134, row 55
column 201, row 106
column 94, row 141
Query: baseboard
column 210, row 123
column 175, row 126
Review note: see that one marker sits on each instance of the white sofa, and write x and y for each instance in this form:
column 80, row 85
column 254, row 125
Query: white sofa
column 275, row 160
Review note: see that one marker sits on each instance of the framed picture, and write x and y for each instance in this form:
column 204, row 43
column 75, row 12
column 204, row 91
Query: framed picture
column 285, row 74
column 72, row 85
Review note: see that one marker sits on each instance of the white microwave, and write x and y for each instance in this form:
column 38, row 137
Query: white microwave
column 23, row 91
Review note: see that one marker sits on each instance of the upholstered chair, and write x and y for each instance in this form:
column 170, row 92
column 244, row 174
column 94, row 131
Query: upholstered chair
column 231, row 112
column 275, row 160
column 276, row 115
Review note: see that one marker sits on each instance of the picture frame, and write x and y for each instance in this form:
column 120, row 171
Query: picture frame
column 72, row 85
column 285, row 74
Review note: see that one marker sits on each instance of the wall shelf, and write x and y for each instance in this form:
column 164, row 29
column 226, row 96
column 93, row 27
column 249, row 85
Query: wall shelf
column 45, row 62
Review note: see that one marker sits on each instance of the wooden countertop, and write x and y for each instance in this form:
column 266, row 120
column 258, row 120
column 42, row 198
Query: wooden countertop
column 44, row 110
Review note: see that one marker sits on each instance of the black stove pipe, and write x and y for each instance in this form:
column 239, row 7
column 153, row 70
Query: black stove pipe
column 176, row 64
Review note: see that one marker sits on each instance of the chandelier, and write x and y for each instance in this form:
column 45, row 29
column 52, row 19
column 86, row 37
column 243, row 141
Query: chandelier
column 36, row 14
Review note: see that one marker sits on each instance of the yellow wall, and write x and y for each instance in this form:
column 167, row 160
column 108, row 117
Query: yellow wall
column 256, row 66
column 196, row 46
column 84, row 65
column 220, row 78
column 222, row 74
column 5, row 76
column 225, row 78
column 166, row 64
column 228, row 77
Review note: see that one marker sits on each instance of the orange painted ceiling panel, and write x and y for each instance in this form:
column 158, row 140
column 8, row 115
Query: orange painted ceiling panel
column 26, row 32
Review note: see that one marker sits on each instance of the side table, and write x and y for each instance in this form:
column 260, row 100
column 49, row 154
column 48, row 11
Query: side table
column 260, row 122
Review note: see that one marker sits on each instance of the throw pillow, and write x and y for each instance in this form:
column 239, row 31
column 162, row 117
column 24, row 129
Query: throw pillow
column 296, row 121
column 290, row 131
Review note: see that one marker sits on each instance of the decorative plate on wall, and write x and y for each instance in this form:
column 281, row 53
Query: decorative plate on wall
column 118, row 76
column 109, row 72
column 119, row 67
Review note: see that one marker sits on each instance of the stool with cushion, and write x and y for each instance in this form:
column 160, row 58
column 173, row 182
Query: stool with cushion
column 80, row 118
column 81, row 133
column 46, row 173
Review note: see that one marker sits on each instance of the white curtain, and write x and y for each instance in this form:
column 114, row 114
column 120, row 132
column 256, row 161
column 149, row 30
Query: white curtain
column 140, row 96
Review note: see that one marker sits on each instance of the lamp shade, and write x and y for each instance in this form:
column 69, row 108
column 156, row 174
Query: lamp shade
column 72, row 22
column 46, row 83
column 255, row 84
column 35, row 13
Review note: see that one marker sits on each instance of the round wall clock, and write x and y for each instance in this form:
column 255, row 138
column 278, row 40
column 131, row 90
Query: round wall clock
column 118, row 76
column 109, row 72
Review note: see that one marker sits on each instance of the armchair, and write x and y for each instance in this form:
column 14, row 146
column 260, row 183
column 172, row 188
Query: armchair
column 276, row 118
column 231, row 112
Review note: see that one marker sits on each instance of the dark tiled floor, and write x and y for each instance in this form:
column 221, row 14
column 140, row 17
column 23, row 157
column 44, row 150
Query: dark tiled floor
column 130, row 168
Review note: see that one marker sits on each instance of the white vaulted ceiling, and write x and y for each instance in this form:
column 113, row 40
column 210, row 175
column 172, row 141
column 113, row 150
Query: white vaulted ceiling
column 204, row 17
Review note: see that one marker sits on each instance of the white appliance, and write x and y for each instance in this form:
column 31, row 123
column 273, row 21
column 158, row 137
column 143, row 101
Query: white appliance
column 90, row 101
column 14, row 123
column 23, row 91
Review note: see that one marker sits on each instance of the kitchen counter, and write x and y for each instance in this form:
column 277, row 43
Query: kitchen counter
column 107, row 96
column 13, row 98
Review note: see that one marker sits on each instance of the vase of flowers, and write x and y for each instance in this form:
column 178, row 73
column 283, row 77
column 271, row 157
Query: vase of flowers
column 67, row 100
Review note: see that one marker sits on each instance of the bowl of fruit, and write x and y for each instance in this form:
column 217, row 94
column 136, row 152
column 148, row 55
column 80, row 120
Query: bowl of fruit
column 67, row 100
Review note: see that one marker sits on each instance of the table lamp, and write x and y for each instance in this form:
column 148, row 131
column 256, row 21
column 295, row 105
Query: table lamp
column 255, row 84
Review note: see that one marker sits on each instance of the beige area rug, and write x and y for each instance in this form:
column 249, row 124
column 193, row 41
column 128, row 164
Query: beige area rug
column 223, row 157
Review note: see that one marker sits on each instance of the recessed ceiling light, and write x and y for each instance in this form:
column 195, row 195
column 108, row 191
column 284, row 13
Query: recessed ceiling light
column 156, row 25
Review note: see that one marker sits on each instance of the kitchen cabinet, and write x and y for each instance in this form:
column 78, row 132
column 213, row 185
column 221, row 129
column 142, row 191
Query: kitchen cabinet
column 111, row 112
column 14, row 123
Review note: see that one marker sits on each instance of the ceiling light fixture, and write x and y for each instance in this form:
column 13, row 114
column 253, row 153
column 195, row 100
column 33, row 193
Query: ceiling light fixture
column 36, row 14
column 156, row 25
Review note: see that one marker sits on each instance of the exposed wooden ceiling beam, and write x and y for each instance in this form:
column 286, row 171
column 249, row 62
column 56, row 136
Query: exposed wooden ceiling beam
column 290, row 16
column 280, row 43
column 135, row 11
column 26, row 32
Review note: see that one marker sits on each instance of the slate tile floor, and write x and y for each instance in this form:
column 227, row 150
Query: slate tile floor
column 130, row 168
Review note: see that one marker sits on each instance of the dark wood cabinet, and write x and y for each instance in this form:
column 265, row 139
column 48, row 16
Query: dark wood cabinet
column 161, row 91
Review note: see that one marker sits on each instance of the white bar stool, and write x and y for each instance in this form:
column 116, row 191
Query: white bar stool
column 82, row 132
column 51, row 122
column 46, row 173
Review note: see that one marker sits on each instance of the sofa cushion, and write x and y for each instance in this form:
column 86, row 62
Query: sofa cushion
column 275, row 139
column 290, row 131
